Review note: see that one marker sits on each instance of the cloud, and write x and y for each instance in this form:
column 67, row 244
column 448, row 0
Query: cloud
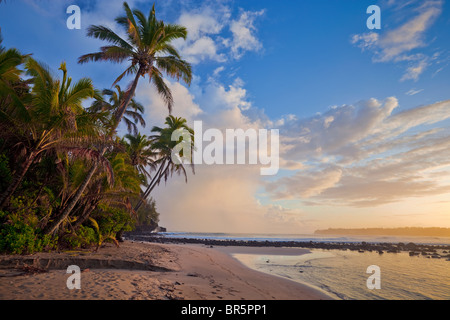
column 243, row 31
column 359, row 155
column 365, row 155
column 413, row 72
column 413, row 92
column 209, row 32
column 204, row 26
column 335, row 132
column 218, row 198
column 313, row 183
column 156, row 109
column 218, row 70
column 366, row 40
column 205, row 21
column 409, row 36
column 401, row 44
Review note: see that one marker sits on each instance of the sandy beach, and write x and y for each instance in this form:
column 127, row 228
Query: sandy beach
column 144, row 271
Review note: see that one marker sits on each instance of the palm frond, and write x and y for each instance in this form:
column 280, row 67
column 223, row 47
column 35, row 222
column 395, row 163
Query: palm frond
column 175, row 68
column 94, row 156
column 162, row 88
column 106, row 34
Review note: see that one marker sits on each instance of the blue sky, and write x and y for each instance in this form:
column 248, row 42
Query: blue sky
column 306, row 50
column 356, row 108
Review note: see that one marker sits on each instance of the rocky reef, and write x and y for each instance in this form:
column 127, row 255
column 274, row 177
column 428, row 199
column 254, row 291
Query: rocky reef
column 428, row 250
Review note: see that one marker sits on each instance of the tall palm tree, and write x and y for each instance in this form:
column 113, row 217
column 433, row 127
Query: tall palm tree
column 149, row 50
column 49, row 121
column 148, row 47
column 164, row 146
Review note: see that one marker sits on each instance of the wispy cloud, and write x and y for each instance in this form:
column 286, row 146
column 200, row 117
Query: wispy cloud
column 413, row 92
column 402, row 43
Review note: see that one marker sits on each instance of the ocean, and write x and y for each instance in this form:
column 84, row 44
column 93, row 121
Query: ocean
column 344, row 274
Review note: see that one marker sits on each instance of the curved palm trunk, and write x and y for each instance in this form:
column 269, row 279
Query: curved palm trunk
column 4, row 198
column 52, row 228
column 152, row 185
column 86, row 214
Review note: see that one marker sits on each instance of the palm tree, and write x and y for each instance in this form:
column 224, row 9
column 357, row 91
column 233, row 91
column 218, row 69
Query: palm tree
column 149, row 50
column 50, row 120
column 139, row 148
column 132, row 115
column 127, row 183
column 163, row 145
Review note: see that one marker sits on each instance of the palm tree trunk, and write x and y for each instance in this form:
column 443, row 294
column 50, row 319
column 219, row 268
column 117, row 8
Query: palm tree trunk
column 52, row 228
column 149, row 187
column 152, row 185
column 91, row 173
column 128, row 98
column 87, row 212
column 4, row 198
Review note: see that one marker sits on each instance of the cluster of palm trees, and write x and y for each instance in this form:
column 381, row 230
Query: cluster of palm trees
column 62, row 165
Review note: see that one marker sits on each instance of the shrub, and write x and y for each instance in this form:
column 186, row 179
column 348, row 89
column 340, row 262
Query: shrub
column 19, row 234
column 84, row 237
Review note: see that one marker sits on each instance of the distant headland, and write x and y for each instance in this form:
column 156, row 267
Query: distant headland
column 407, row 231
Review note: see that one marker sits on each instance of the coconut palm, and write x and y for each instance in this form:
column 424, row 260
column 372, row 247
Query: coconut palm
column 164, row 146
column 148, row 47
column 149, row 50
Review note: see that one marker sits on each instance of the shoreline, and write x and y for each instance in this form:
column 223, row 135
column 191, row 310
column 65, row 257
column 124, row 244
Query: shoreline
column 431, row 250
column 147, row 271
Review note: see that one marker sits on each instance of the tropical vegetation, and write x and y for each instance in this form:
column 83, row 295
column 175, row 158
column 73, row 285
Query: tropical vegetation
column 67, row 178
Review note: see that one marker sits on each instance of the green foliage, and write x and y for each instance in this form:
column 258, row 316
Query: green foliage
column 147, row 213
column 49, row 142
column 84, row 237
column 111, row 220
column 103, row 226
column 20, row 232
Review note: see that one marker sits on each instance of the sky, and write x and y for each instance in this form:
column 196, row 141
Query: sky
column 363, row 114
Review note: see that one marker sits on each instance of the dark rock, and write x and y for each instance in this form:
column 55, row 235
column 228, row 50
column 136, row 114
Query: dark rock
column 379, row 247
